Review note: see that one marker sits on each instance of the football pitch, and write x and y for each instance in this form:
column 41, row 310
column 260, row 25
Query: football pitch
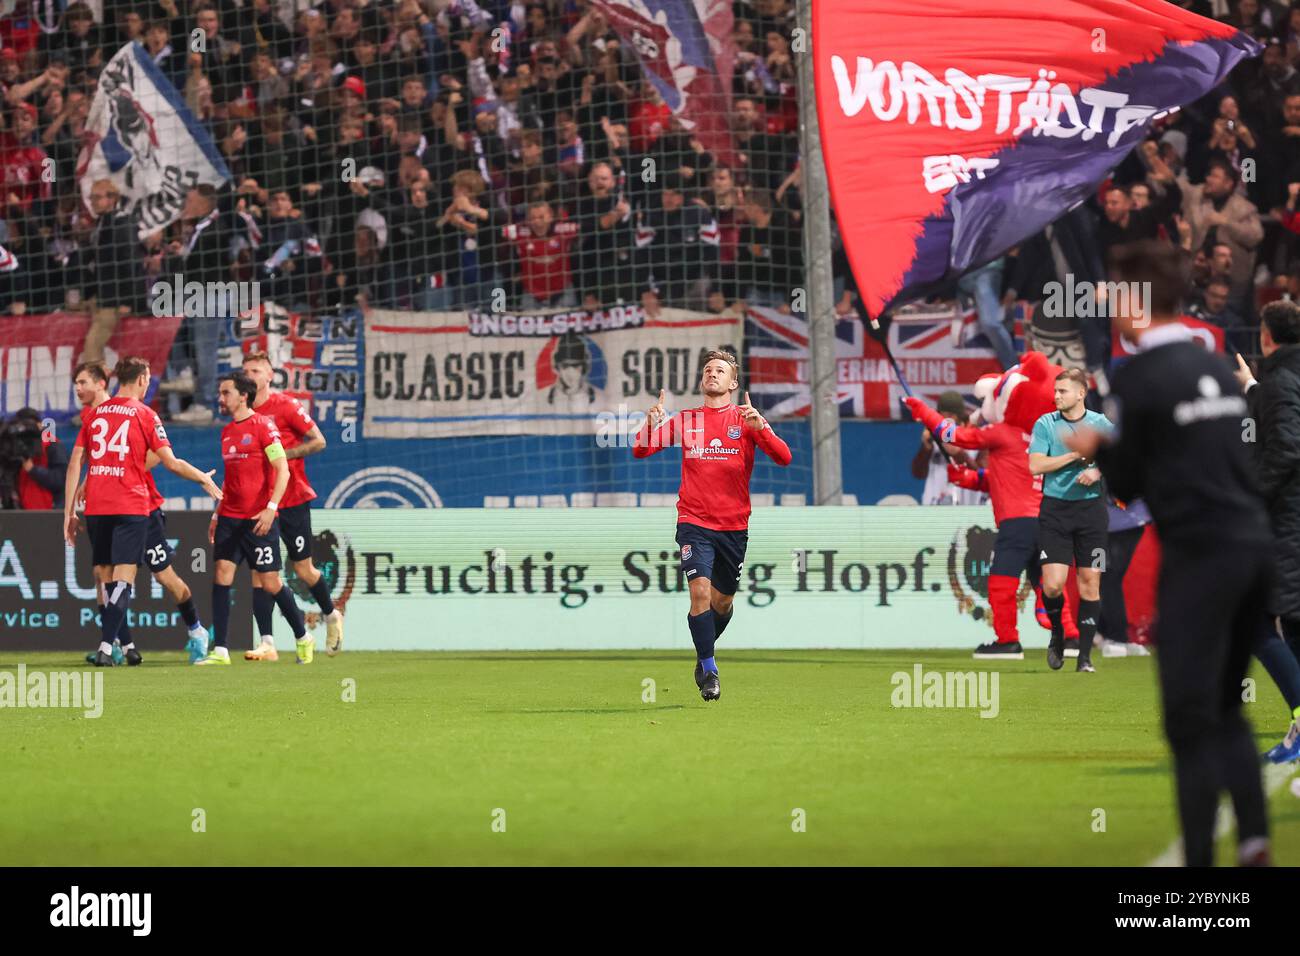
column 599, row 758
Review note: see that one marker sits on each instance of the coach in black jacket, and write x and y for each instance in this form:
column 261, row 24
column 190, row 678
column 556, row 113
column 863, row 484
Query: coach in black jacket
column 1179, row 445
column 1275, row 408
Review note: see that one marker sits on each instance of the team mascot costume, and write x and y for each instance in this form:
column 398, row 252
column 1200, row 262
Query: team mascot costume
column 1012, row 402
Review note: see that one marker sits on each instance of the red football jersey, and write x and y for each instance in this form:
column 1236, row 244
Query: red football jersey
column 155, row 499
column 293, row 423
column 717, row 460
column 250, row 476
column 544, row 268
column 22, row 168
column 1013, row 491
column 117, row 437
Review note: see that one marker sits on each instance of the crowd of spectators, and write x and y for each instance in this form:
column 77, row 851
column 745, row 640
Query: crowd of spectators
column 409, row 154
column 436, row 154
column 1219, row 179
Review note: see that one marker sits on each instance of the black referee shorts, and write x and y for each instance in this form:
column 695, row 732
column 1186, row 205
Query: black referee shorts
column 1072, row 532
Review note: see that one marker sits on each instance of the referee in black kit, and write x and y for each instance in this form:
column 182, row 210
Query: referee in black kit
column 1179, row 444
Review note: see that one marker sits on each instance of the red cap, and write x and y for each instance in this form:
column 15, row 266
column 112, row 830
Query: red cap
column 356, row 85
column 8, row 53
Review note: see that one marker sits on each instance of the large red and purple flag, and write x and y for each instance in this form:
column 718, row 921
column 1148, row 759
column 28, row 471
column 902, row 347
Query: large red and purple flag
column 954, row 129
column 687, row 54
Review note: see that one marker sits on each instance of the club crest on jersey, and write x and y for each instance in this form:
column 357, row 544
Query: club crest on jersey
column 733, row 431
column 247, row 439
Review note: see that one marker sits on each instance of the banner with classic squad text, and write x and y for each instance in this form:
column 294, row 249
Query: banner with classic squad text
column 39, row 352
column 445, row 374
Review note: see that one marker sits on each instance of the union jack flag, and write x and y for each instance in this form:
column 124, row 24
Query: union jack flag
column 937, row 350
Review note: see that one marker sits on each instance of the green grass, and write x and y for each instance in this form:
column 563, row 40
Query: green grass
column 288, row 773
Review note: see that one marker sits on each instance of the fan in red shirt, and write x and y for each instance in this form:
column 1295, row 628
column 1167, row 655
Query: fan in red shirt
column 19, row 30
column 545, row 269
column 718, row 441
column 300, row 437
column 23, row 164
column 117, row 438
column 90, row 382
column 244, row 527
column 649, row 119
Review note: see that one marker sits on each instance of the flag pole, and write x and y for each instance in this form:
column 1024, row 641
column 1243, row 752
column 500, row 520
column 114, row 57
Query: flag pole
column 824, row 413
column 902, row 380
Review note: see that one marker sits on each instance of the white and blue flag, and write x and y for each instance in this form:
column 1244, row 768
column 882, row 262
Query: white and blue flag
column 142, row 136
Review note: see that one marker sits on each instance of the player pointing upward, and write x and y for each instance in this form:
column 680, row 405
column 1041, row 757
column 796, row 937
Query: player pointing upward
column 718, row 441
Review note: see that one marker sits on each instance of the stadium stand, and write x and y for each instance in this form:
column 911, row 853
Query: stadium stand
column 451, row 157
